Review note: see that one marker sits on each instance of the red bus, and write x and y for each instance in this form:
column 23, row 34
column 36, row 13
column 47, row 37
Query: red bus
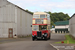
column 41, row 26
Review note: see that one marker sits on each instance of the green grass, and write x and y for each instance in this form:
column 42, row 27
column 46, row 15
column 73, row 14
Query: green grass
column 68, row 38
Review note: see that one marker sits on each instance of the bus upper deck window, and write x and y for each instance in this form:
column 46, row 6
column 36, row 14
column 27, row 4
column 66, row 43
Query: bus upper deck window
column 48, row 16
column 42, row 16
column 36, row 16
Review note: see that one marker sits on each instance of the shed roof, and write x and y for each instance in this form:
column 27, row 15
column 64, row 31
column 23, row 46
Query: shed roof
column 20, row 8
column 72, row 16
column 62, row 23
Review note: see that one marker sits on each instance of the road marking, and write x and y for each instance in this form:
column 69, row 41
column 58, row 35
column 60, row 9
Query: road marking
column 53, row 46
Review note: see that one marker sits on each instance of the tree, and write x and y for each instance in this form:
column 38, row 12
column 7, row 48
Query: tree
column 58, row 17
column 29, row 11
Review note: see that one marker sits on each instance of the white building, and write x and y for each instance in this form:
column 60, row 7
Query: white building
column 72, row 25
column 14, row 20
column 62, row 27
column 52, row 30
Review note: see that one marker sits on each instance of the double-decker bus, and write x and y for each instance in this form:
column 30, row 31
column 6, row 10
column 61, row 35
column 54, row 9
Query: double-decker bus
column 41, row 26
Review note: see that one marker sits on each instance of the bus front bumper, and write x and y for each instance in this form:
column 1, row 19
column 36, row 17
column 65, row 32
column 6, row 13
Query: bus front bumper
column 42, row 37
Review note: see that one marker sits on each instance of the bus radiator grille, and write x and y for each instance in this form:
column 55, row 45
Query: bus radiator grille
column 39, row 33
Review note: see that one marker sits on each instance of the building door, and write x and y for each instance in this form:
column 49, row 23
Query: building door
column 10, row 32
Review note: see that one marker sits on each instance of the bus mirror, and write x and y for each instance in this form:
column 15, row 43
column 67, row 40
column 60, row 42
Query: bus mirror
column 31, row 25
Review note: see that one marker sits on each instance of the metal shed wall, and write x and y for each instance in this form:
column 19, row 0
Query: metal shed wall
column 12, row 16
column 7, row 20
column 24, row 22
column 72, row 26
column 3, row 2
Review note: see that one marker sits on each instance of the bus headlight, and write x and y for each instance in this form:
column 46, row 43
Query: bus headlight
column 45, row 34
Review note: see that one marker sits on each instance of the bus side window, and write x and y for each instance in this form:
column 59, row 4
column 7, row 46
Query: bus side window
column 48, row 17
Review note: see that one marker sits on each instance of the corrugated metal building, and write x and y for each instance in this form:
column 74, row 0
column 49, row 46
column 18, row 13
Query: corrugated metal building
column 62, row 27
column 72, row 25
column 14, row 20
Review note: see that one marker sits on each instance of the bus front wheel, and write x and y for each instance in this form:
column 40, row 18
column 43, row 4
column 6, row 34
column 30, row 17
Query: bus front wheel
column 33, row 38
column 49, row 37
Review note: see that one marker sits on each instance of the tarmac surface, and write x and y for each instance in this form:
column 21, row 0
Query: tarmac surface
column 28, row 44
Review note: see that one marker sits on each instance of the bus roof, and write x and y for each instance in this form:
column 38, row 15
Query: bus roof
column 40, row 13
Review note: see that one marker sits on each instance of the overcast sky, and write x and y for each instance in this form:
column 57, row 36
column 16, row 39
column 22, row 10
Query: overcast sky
column 65, row 6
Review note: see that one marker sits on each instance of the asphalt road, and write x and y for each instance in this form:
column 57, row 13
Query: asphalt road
column 28, row 44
